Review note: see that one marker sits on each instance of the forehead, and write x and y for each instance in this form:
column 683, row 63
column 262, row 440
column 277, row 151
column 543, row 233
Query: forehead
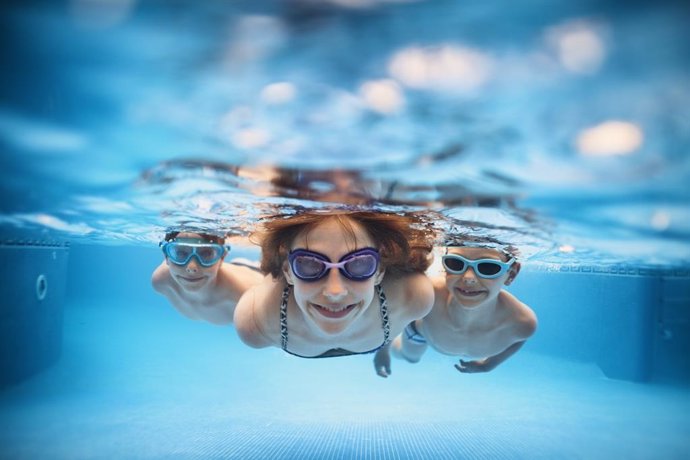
column 335, row 235
column 477, row 253
column 189, row 237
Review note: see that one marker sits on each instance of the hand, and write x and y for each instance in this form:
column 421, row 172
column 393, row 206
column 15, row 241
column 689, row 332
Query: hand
column 474, row 367
column 382, row 362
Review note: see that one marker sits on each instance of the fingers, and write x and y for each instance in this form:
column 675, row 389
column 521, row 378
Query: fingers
column 383, row 369
column 466, row 367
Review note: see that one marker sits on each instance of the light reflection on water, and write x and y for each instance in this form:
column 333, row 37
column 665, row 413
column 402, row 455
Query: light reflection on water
column 543, row 127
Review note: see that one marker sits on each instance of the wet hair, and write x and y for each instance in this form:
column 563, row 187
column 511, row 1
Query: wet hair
column 404, row 246
column 171, row 235
column 476, row 241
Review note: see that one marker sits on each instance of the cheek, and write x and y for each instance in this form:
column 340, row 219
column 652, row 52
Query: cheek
column 494, row 284
column 451, row 280
column 363, row 291
column 304, row 291
column 175, row 268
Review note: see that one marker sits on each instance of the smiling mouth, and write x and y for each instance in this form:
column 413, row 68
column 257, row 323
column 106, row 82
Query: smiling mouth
column 465, row 293
column 332, row 312
column 192, row 280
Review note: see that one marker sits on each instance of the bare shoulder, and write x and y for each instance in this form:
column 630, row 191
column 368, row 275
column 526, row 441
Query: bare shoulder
column 160, row 279
column 240, row 275
column 413, row 291
column 524, row 318
column 252, row 316
column 440, row 290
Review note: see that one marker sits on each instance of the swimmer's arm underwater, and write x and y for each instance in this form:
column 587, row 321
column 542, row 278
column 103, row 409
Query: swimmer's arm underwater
column 490, row 363
column 248, row 318
column 525, row 329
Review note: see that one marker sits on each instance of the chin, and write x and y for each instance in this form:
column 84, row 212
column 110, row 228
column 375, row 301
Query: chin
column 193, row 285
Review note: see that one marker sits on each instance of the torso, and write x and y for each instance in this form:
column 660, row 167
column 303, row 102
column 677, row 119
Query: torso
column 216, row 304
column 335, row 352
column 474, row 340
column 364, row 336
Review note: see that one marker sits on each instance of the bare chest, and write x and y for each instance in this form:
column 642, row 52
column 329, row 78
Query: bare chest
column 476, row 343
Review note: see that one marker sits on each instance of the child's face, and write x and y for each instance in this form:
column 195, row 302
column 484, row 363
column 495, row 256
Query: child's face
column 193, row 276
column 469, row 288
column 333, row 303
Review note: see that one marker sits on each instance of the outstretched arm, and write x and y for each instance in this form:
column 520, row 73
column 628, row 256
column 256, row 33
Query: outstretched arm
column 490, row 363
column 382, row 361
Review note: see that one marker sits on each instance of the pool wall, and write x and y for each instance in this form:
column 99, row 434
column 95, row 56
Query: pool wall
column 32, row 290
column 634, row 323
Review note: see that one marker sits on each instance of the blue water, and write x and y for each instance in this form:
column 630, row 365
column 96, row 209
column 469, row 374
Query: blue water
column 561, row 128
column 137, row 380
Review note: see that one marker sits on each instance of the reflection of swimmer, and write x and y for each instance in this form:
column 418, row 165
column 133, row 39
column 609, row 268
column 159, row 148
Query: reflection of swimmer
column 195, row 279
column 339, row 283
column 472, row 317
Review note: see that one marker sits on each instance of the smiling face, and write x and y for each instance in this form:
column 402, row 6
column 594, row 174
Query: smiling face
column 193, row 276
column 333, row 303
column 471, row 290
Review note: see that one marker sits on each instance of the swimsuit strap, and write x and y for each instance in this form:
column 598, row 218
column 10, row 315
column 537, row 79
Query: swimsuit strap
column 283, row 317
column 384, row 315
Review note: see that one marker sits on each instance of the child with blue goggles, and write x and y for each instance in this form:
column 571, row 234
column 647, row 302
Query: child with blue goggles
column 197, row 281
column 473, row 317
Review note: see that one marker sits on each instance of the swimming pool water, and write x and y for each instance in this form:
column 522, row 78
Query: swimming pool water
column 562, row 128
column 137, row 380
column 559, row 128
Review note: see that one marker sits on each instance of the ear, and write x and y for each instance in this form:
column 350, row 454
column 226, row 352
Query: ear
column 513, row 273
column 287, row 273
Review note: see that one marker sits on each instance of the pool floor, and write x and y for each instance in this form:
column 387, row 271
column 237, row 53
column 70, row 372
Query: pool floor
column 138, row 381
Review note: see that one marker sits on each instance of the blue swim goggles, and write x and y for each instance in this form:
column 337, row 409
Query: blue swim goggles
column 207, row 254
column 484, row 268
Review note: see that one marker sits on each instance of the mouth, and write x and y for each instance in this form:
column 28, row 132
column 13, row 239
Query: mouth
column 191, row 280
column 469, row 292
column 335, row 311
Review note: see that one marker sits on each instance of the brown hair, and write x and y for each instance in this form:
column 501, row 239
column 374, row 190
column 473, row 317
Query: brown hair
column 474, row 241
column 404, row 247
column 171, row 235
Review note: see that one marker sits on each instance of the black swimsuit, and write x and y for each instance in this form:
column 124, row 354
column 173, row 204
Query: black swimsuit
column 334, row 352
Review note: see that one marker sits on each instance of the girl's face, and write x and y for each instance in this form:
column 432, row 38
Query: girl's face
column 471, row 290
column 333, row 303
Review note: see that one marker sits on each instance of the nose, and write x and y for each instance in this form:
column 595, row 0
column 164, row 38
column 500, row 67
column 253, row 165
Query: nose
column 469, row 277
column 192, row 266
column 334, row 289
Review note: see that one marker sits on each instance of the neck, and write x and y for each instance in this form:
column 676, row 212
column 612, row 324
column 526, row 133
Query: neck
column 461, row 316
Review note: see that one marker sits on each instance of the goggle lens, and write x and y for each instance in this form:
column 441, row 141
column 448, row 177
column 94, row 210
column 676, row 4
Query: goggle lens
column 307, row 267
column 454, row 265
column 488, row 268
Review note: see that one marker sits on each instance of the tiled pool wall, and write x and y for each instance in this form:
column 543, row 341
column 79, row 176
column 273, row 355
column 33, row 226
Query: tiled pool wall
column 633, row 322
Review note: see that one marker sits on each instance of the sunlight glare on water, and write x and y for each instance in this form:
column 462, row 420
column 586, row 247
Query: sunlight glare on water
column 563, row 129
